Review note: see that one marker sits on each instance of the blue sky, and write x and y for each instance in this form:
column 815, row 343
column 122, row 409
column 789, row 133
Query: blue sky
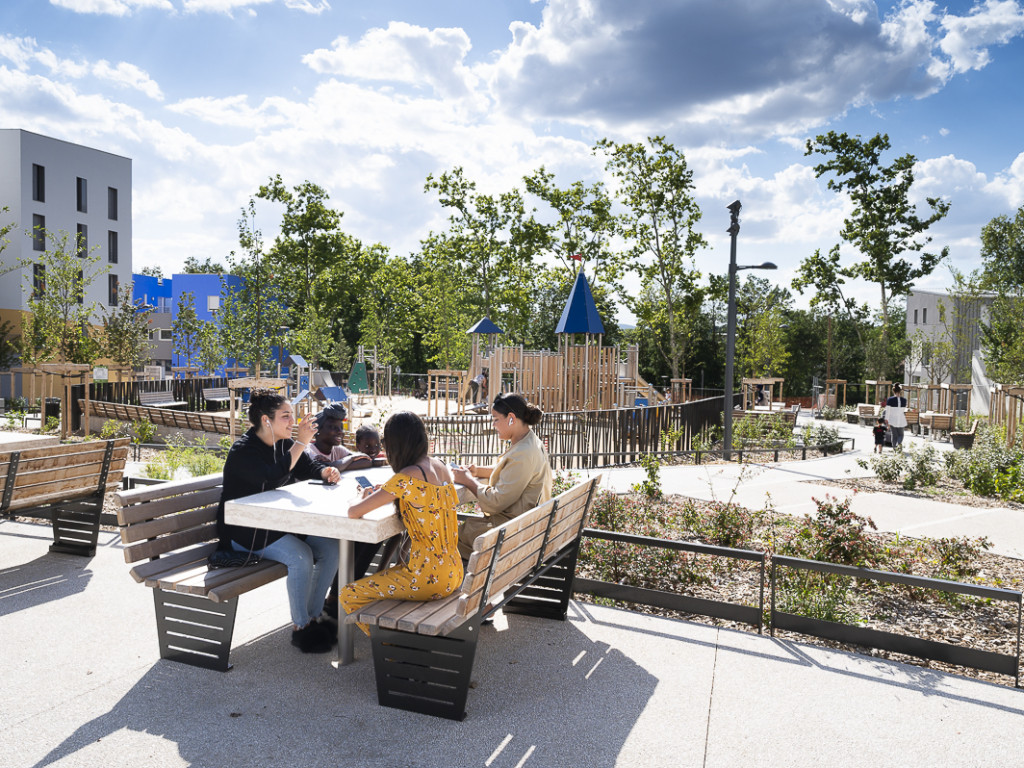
column 211, row 97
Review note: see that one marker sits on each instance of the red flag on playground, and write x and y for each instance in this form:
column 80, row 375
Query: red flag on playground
column 577, row 257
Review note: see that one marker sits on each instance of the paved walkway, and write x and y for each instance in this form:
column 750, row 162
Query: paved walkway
column 83, row 684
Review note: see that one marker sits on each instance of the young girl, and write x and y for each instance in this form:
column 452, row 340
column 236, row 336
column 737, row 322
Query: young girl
column 422, row 490
column 879, row 433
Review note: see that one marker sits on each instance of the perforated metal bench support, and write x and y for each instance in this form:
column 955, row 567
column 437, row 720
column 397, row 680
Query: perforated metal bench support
column 194, row 630
column 12, row 471
column 76, row 524
column 429, row 675
column 548, row 596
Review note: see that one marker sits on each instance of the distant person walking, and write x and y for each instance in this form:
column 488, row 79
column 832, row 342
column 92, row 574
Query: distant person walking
column 896, row 415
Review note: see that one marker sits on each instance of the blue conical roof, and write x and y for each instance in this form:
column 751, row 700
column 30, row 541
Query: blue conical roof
column 580, row 313
column 485, row 326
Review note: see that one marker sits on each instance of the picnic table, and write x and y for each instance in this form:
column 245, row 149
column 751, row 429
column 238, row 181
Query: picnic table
column 312, row 508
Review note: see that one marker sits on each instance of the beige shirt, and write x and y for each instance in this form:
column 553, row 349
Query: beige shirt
column 520, row 480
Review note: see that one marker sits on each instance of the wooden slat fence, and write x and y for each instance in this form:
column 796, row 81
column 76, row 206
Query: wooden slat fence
column 582, row 439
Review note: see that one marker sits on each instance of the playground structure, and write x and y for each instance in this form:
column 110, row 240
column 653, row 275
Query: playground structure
column 574, row 377
column 748, row 388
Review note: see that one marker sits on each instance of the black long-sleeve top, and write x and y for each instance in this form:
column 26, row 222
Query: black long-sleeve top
column 252, row 467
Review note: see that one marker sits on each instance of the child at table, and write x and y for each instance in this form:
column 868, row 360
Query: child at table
column 425, row 497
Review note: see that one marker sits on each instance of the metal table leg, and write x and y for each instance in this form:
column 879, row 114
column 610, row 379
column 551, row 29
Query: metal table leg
column 345, row 576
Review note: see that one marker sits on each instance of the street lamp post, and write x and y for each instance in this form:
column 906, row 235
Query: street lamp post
column 730, row 337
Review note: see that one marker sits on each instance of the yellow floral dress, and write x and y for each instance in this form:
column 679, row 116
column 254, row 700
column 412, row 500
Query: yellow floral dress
column 434, row 569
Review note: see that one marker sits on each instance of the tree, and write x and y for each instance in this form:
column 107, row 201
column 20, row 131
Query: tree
column 187, row 328
column 493, row 242
column 445, row 316
column 1002, row 272
column 8, row 345
column 656, row 188
column 883, row 227
column 126, row 331
column 251, row 311
column 193, row 266
column 389, row 310
column 58, row 280
column 157, row 272
column 761, row 338
column 209, row 350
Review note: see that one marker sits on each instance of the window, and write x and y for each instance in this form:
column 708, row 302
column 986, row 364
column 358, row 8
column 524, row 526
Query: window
column 924, row 315
column 212, row 303
column 166, row 334
column 38, row 232
column 112, row 290
column 915, row 317
column 112, row 203
column 83, row 197
column 83, row 240
column 112, row 247
column 38, row 183
column 38, row 281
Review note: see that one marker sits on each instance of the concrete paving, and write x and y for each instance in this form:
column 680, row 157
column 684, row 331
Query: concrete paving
column 83, row 684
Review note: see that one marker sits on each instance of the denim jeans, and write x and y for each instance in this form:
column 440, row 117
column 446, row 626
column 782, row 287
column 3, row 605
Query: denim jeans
column 312, row 565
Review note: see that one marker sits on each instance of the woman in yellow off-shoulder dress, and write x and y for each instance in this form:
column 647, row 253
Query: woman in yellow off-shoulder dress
column 425, row 495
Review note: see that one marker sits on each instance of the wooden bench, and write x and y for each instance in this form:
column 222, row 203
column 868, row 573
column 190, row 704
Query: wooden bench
column 423, row 652
column 168, row 531
column 913, row 420
column 66, row 483
column 867, row 414
column 937, row 422
column 159, row 400
column 202, row 422
column 217, row 395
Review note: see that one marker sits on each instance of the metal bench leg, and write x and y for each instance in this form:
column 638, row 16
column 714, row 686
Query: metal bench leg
column 194, row 630
column 76, row 528
column 424, row 674
column 548, row 597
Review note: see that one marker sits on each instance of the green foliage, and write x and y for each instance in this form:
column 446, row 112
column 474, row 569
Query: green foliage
column 126, row 331
column 909, row 468
column 725, row 525
column 660, row 223
column 187, row 329
column 139, row 431
column 883, row 226
column 195, row 459
column 763, row 430
column 52, row 424
column 59, row 326
column 989, row 467
column 8, row 345
column 651, row 486
column 834, row 535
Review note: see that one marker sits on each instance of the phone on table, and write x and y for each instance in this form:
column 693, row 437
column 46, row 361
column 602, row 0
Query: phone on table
column 363, row 482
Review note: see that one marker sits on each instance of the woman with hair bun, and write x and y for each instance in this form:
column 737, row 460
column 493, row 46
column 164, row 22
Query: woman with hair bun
column 519, row 481
column 264, row 458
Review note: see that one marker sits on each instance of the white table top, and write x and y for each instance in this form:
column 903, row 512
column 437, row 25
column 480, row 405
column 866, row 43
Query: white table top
column 313, row 508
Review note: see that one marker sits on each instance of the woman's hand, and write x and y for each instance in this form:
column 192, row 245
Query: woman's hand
column 462, row 474
column 330, row 475
column 306, row 430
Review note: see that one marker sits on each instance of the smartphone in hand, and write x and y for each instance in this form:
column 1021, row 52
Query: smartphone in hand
column 363, row 482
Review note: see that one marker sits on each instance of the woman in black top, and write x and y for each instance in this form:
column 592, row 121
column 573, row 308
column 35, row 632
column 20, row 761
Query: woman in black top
column 264, row 458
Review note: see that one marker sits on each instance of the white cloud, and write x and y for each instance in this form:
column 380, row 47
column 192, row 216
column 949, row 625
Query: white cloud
column 968, row 38
column 402, row 53
column 314, row 7
column 23, row 52
column 112, row 7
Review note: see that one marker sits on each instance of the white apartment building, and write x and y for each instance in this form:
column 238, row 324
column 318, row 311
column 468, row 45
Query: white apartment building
column 937, row 316
column 61, row 186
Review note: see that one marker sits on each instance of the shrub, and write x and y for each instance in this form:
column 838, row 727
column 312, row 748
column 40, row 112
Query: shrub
column 989, row 468
column 835, row 535
column 52, row 424
column 910, row 468
column 651, row 487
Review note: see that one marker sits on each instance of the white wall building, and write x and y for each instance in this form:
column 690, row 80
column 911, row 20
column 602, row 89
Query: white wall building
column 937, row 316
column 63, row 186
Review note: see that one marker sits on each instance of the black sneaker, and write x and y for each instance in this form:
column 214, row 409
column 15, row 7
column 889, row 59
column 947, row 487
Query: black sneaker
column 331, row 608
column 311, row 639
column 329, row 628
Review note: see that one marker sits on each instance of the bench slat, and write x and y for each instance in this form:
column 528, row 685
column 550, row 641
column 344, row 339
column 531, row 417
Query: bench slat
column 154, row 510
column 64, row 495
column 149, row 492
column 151, row 529
column 151, row 569
column 167, row 544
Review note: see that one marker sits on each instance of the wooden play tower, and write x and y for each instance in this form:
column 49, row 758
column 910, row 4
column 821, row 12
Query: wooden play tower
column 581, row 374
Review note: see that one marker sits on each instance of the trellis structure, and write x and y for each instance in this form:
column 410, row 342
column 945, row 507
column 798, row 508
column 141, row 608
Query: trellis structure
column 1006, row 408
